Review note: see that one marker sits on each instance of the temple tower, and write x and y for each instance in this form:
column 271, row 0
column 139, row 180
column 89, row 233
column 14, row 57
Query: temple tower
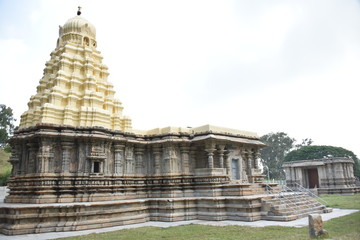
column 74, row 89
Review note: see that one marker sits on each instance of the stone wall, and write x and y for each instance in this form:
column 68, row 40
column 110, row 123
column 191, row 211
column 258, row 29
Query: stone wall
column 334, row 174
column 71, row 164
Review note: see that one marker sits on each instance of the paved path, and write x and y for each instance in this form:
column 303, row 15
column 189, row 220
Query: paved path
column 296, row 223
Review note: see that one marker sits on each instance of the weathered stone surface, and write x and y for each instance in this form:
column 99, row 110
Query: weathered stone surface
column 327, row 175
column 316, row 228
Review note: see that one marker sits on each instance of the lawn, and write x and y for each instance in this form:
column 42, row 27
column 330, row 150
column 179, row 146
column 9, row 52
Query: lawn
column 347, row 227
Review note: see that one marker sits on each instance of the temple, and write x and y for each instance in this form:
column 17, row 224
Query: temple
column 327, row 175
column 79, row 164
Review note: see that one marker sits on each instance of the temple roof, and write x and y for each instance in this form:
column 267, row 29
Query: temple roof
column 80, row 25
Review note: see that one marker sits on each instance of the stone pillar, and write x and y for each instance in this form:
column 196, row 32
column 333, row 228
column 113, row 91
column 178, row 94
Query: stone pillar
column 66, row 147
column 30, row 168
column 139, row 162
column 170, row 160
column 210, row 149
column 329, row 177
column 316, row 228
column 184, row 159
column 157, row 159
column 221, row 155
column 193, row 158
column 228, row 163
column 256, row 159
column 44, row 156
column 129, row 164
column 14, row 160
column 245, row 155
column 118, row 159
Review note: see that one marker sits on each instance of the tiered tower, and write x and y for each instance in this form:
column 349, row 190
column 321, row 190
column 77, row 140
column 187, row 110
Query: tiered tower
column 75, row 90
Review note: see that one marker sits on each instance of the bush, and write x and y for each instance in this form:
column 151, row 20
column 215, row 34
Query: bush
column 4, row 176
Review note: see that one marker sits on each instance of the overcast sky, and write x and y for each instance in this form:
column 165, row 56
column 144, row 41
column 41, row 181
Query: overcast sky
column 261, row 66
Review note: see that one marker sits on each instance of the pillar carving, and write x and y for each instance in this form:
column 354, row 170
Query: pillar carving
column 129, row 163
column 157, row 159
column 192, row 159
column 221, row 151
column 185, row 159
column 210, row 149
column 139, row 162
column 66, row 151
column 170, row 160
column 32, row 148
column 118, row 158
column 256, row 159
column 245, row 155
column 14, row 160
column 44, row 157
column 228, row 163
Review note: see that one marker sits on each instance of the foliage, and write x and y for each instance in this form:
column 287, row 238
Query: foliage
column 5, row 167
column 317, row 152
column 6, row 124
column 272, row 156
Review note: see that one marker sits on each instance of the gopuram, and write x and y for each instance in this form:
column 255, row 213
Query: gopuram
column 78, row 163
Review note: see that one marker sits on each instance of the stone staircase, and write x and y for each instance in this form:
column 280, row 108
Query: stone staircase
column 288, row 206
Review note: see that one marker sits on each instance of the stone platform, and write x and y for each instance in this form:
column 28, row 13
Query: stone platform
column 41, row 218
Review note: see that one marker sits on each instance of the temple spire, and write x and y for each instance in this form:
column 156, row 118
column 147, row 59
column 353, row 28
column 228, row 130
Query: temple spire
column 79, row 11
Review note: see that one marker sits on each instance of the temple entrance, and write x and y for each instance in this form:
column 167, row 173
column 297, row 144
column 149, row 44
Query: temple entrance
column 235, row 169
column 313, row 177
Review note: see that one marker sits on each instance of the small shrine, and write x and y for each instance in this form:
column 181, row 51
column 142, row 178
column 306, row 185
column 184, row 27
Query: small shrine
column 328, row 175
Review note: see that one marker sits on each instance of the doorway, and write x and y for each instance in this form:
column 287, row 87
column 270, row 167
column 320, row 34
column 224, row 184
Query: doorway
column 313, row 177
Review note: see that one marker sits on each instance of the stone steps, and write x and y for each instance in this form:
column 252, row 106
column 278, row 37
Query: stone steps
column 290, row 206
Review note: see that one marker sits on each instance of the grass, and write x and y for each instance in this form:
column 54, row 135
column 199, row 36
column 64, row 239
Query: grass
column 341, row 201
column 347, row 228
column 5, row 167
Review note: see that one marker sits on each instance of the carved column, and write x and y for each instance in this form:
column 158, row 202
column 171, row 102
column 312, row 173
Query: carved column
column 228, row 163
column 66, row 147
column 221, row 155
column 193, row 158
column 210, row 149
column 184, row 159
column 32, row 158
column 256, row 159
column 118, row 158
column 157, row 159
column 247, row 157
column 14, row 160
column 139, row 163
column 129, row 165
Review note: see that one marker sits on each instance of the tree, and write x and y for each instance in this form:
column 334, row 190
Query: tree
column 272, row 156
column 316, row 152
column 6, row 124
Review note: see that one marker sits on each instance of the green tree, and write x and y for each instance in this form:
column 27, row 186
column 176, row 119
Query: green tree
column 6, row 124
column 316, row 152
column 272, row 156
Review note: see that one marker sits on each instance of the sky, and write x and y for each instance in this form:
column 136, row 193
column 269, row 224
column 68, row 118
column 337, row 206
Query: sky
column 261, row 66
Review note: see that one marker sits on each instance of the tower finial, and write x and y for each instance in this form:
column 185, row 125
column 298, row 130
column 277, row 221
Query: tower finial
column 79, row 11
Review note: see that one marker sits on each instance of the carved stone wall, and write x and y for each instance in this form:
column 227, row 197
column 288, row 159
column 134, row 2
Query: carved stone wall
column 64, row 164
column 329, row 175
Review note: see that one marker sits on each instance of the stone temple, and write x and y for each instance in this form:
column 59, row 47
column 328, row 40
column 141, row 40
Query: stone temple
column 78, row 163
